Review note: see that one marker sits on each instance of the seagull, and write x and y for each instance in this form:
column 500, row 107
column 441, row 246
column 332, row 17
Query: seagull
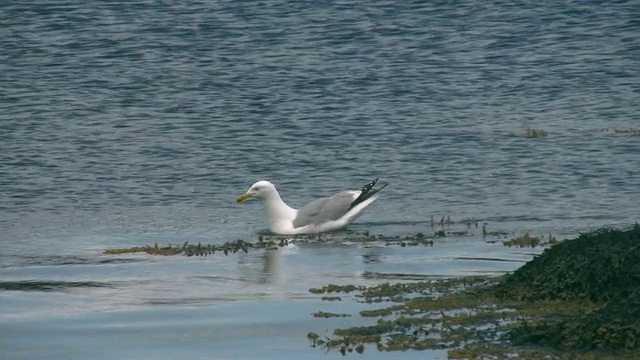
column 320, row 215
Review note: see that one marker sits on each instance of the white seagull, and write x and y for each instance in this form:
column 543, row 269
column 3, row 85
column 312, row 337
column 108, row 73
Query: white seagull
column 324, row 214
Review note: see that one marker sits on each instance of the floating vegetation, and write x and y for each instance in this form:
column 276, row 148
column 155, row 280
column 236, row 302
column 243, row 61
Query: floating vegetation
column 414, row 240
column 379, row 312
column 578, row 299
column 535, row 133
column 153, row 250
column 47, row 285
column 527, row 240
column 193, row 249
column 331, row 298
column 446, row 220
column 336, row 288
column 313, row 337
column 322, row 314
column 274, row 242
column 443, row 221
column 629, row 132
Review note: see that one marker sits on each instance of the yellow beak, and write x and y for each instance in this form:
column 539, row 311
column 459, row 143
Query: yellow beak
column 242, row 197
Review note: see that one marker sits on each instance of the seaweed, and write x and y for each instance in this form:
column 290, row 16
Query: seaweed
column 629, row 132
column 335, row 288
column 274, row 242
column 535, row 133
column 579, row 299
column 527, row 240
column 599, row 269
column 198, row 249
column 322, row 314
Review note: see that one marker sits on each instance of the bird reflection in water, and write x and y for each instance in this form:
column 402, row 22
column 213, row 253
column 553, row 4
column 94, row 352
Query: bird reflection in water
column 262, row 267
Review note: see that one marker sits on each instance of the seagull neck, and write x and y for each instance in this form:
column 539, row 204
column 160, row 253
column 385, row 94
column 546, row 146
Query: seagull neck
column 276, row 209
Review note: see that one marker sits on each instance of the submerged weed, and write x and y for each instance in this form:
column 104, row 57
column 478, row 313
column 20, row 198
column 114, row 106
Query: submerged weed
column 535, row 133
column 630, row 131
column 47, row 285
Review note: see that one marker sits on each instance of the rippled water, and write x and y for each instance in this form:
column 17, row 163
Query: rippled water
column 130, row 123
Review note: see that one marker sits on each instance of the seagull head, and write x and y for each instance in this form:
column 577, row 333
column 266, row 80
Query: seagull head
column 260, row 190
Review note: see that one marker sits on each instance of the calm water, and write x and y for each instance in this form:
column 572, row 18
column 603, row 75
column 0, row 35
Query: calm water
column 126, row 123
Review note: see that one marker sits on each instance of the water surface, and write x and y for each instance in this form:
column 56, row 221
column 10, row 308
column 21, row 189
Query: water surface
column 132, row 123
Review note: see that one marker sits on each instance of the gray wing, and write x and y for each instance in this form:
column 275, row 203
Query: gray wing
column 324, row 209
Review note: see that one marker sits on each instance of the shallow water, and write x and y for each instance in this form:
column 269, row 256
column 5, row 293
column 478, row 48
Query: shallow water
column 255, row 305
column 129, row 124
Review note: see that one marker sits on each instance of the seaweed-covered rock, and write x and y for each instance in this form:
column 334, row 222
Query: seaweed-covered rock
column 597, row 267
column 600, row 269
column 616, row 325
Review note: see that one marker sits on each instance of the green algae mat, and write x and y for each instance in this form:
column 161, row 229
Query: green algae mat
column 580, row 299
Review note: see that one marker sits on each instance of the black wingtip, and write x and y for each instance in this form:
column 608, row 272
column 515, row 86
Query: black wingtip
column 369, row 186
column 367, row 192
